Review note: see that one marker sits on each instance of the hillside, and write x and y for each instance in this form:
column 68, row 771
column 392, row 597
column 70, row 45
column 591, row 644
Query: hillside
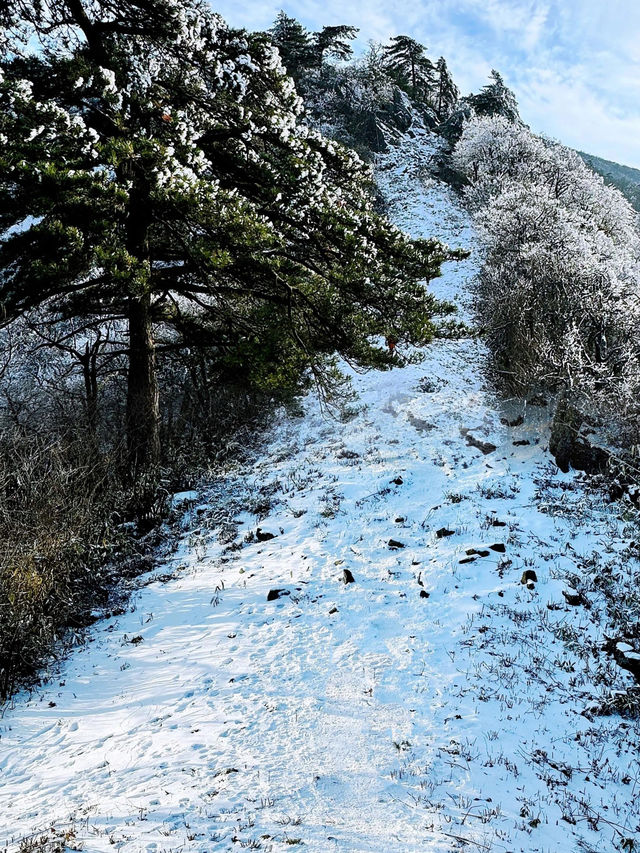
column 625, row 178
column 254, row 700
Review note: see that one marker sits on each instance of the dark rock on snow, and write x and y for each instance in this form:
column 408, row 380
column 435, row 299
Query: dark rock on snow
column 444, row 532
column 273, row 594
column 479, row 553
column 485, row 446
column 572, row 597
column 264, row 535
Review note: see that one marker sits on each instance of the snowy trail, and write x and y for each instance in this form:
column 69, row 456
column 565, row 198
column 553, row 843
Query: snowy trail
column 431, row 705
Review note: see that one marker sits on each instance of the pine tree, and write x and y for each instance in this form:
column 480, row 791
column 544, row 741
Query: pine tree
column 334, row 41
column 294, row 43
column 154, row 169
column 495, row 99
column 407, row 59
column 446, row 93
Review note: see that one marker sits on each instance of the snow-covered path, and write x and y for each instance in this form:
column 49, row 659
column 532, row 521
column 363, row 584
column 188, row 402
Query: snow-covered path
column 433, row 704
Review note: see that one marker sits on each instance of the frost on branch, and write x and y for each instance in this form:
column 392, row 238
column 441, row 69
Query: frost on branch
column 560, row 286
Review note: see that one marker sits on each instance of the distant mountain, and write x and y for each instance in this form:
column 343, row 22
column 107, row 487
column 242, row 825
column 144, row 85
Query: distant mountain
column 625, row 178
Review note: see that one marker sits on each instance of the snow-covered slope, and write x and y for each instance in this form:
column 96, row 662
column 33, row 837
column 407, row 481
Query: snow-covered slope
column 435, row 703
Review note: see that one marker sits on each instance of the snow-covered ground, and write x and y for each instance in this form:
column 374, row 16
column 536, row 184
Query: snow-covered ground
column 434, row 704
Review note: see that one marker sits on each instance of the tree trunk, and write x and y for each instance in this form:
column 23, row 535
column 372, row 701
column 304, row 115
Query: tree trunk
column 89, row 374
column 143, row 413
column 143, row 436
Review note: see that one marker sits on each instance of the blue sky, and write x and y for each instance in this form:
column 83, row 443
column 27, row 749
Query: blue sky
column 573, row 64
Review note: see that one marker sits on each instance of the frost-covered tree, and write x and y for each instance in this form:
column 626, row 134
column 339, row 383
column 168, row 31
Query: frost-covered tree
column 294, row 43
column 446, row 93
column 560, row 285
column 333, row 41
column 155, row 170
column 495, row 99
column 408, row 61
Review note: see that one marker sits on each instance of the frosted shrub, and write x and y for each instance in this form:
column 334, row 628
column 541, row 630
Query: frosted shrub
column 559, row 287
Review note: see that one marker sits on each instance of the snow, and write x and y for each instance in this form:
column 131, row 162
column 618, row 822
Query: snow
column 431, row 705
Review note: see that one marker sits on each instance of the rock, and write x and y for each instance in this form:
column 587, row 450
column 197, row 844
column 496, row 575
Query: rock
column 444, row 532
column 570, row 446
column 515, row 423
column 420, row 424
column 333, row 610
column 399, row 519
column 372, row 133
column 395, row 545
column 572, row 597
column 485, row 446
column 136, row 640
column 273, row 594
column 531, row 585
column 480, row 553
column 424, row 593
column 264, row 535
column 625, row 656
column 467, row 560
column 521, row 442
column 496, row 523
column 498, row 547
column 397, row 481
column 347, row 577
column 529, row 576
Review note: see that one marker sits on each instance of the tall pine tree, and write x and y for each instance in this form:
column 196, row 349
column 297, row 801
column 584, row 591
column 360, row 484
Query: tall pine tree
column 154, row 168
column 407, row 60
column 333, row 41
column 294, row 44
column 495, row 99
column 446, row 93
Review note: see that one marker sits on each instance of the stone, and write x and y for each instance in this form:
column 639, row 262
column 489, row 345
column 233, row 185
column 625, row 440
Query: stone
column 570, row 447
column 264, row 535
column 529, row 576
column 467, row 560
column 521, row 442
column 515, row 423
column 572, row 597
column 424, row 593
column 397, row 481
column 333, row 610
column 484, row 446
column 395, row 545
column 444, row 532
column 420, row 424
column 498, row 547
column 274, row 594
column 347, row 577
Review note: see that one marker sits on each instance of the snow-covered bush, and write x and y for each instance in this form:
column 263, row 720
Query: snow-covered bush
column 559, row 292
